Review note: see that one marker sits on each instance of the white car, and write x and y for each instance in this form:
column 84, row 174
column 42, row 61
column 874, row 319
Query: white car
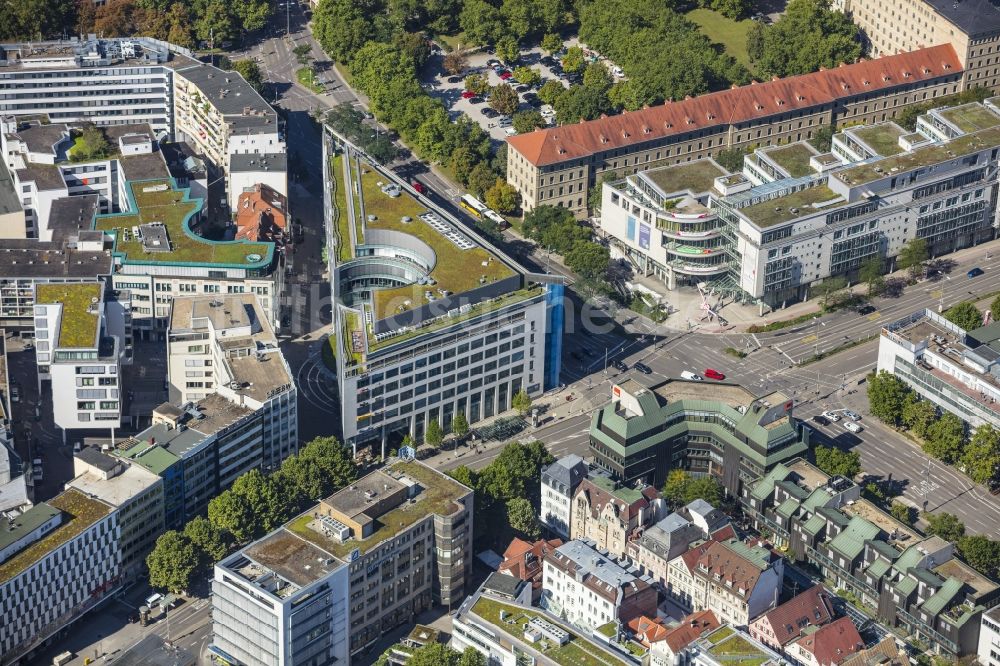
column 854, row 416
column 853, row 427
column 833, row 416
column 510, row 131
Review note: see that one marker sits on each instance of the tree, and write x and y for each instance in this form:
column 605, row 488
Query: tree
column 945, row 438
column 871, row 274
column 581, row 103
column 481, row 179
column 433, row 435
column 460, row 425
column 527, row 121
column 91, row 144
column 836, row 462
column 514, row 473
column 252, row 14
column 439, row 654
column 172, row 562
column 552, row 43
column 730, row 159
column 550, row 91
column 481, row 22
column 342, row 27
column 964, row 315
column 823, row 139
column 588, row 260
column 755, row 41
column 573, row 60
column 597, row 76
column 828, row 288
column 522, row 402
column 912, row 256
column 521, row 516
column 213, row 21
column 596, row 193
column 415, row 45
column 886, row 397
column 502, row 197
column 250, row 71
column 231, row 512
column 210, row 543
column 504, row 99
column 901, row 512
column 507, row 49
column 982, row 553
column 675, row 487
column 704, row 488
column 320, row 468
column 527, row 76
column 918, row 415
column 477, row 83
column 809, row 35
column 981, row 457
column 303, row 53
column 945, row 525
column 995, row 307
column 455, row 63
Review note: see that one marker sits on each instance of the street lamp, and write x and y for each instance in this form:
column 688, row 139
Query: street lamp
column 816, row 324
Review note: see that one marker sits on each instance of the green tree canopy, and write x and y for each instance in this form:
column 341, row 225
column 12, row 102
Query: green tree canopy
column 836, row 462
column 459, row 424
column 912, row 256
column 172, row 562
column 871, row 274
column 982, row 553
column 681, row 489
column 250, row 71
column 481, row 22
column 573, row 60
column 581, row 103
column 342, row 27
column 945, row 525
column 809, row 35
column 527, row 121
column 981, row 457
column 886, row 396
column 502, row 197
column 965, row 315
column 433, row 435
column 901, row 512
column 521, row 402
column 730, row 159
column 521, row 516
column 550, row 91
column 91, row 144
column 551, row 43
column 946, row 438
column 231, row 512
column 507, row 49
column 527, row 75
column 918, row 415
column 504, row 100
column 588, row 260
column 210, row 543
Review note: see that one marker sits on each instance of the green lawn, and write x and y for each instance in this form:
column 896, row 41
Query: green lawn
column 793, row 158
column 732, row 35
column 307, row 77
column 341, row 218
column 77, row 325
column 452, row 42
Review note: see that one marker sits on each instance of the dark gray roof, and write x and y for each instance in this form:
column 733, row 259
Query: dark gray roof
column 39, row 260
column 46, row 176
column 227, row 91
column 93, row 456
column 41, row 138
column 258, row 162
column 504, row 585
column 71, row 215
column 10, row 202
column 144, row 167
column 974, row 17
column 568, row 470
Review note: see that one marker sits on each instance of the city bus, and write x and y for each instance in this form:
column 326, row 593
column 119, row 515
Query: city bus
column 473, row 206
column 496, row 218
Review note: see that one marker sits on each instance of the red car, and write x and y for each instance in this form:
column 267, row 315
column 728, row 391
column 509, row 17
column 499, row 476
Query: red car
column 468, row 94
column 505, row 75
column 714, row 374
column 418, row 186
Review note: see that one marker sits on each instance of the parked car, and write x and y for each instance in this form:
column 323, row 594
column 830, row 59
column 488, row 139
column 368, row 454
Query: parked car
column 618, row 72
column 488, row 112
column 714, row 374
column 866, row 309
column 15, row 393
column 833, row 416
column 531, row 99
column 522, row 88
column 548, row 61
column 476, row 100
column 454, row 79
column 493, row 62
column 504, row 121
column 975, row 272
column 418, row 186
column 643, row 368
column 621, row 366
column 468, row 94
column 854, row 416
column 821, row 420
column 505, row 75
column 690, row 376
column 510, row 131
column 853, row 427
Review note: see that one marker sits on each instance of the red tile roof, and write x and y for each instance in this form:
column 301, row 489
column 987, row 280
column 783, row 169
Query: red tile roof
column 813, row 607
column 740, row 104
column 260, row 214
column 730, row 567
column 690, row 629
column 517, row 563
column 833, row 643
column 648, row 630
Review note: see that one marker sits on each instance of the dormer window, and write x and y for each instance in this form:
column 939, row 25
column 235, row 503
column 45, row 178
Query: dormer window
column 801, row 98
column 906, row 75
column 867, row 82
column 779, row 102
column 667, row 125
column 647, row 130
column 711, row 116
column 927, row 70
column 886, row 77
column 625, row 134
column 690, row 121
column 604, row 139
column 758, row 106
column 845, row 86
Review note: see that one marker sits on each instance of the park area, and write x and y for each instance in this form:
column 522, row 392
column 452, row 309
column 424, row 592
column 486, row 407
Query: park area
column 729, row 34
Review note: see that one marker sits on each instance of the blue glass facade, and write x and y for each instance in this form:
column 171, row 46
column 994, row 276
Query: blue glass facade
column 555, row 311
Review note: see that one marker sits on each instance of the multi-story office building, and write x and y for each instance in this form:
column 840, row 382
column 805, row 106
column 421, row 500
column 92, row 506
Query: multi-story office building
column 224, row 345
column 280, row 600
column 385, row 548
column 559, row 482
column 716, row 429
column 590, row 589
column 989, row 638
column 136, row 494
column 795, row 217
column 916, row 583
column 82, row 338
column 58, row 560
column 611, row 514
column 972, row 27
column 105, row 81
column 953, row 368
column 558, row 165
column 430, row 319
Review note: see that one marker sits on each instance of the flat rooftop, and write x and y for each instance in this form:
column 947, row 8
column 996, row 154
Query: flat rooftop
column 10, row 202
column 45, row 176
column 812, row 477
column 160, row 200
column 697, row 177
column 260, row 376
column 733, row 395
column 438, row 496
column 37, row 259
column 118, row 489
column 920, row 157
column 79, row 513
column 68, row 216
column 229, row 93
column 955, row 568
column 355, row 499
column 970, row 117
column 79, row 321
column 874, row 515
column 728, row 646
column 30, row 56
column 790, row 206
column 144, row 167
column 793, row 158
column 224, row 311
column 294, row 559
column 251, row 162
column 883, row 138
column 41, row 137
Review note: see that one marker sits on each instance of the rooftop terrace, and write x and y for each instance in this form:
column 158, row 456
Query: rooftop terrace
column 78, row 322
column 438, row 496
column 789, row 207
column 160, row 201
column 883, row 138
column 79, row 513
column 921, row 157
column 793, row 158
column 456, row 270
column 294, row 559
column 697, row 176
column 971, row 117
column 730, row 647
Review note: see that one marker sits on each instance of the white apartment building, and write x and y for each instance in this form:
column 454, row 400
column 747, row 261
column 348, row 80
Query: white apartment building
column 795, row 217
column 559, row 483
column 44, row 587
column 281, row 600
column 247, row 170
column 989, row 638
column 82, row 338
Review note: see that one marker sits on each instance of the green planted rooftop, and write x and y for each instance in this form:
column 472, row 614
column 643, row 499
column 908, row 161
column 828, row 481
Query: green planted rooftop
column 789, row 207
column 78, row 322
column 921, row 157
column 78, row 513
column 882, row 138
column 153, row 457
column 731, row 648
column 576, row 652
column 793, row 158
column 161, row 201
column 456, row 270
column 696, row 176
column 438, row 496
column 971, row 117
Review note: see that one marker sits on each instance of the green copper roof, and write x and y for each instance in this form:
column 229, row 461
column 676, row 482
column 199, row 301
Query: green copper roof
column 910, row 558
column 814, row 525
column 878, row 568
column 944, row 597
column 788, row 507
column 624, row 493
column 765, row 487
column 851, row 541
column 906, row 586
column 756, row 555
column 816, row 499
